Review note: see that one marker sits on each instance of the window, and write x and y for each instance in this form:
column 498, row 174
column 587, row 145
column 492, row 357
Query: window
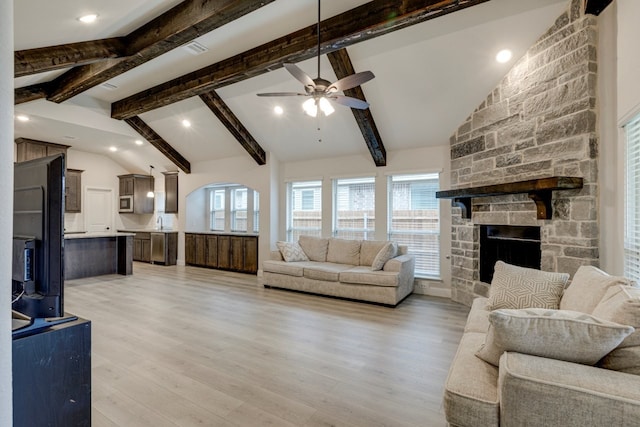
column 229, row 208
column 217, row 209
column 632, row 200
column 414, row 219
column 239, row 209
column 304, row 209
column 354, row 208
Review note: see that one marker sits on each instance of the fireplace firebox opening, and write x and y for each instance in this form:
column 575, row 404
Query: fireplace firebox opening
column 517, row 245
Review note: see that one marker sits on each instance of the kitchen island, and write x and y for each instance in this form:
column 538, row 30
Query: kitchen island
column 96, row 254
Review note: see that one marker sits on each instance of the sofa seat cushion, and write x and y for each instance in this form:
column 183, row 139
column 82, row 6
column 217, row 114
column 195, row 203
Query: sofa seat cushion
column 328, row 271
column 363, row 275
column 471, row 390
column 283, row 267
column 478, row 319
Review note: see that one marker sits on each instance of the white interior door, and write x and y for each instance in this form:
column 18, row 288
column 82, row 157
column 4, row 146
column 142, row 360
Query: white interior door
column 98, row 208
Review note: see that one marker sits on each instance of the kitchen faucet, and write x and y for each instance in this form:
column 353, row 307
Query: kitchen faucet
column 159, row 220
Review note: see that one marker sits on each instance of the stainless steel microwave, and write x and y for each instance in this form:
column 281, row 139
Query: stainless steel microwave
column 126, row 204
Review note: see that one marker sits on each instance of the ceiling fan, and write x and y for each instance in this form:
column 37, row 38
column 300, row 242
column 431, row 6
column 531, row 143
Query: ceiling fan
column 322, row 91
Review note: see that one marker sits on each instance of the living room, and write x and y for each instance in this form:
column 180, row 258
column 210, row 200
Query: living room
column 617, row 95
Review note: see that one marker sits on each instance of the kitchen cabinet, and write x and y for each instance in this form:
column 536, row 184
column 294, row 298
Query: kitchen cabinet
column 73, row 191
column 142, row 247
column 171, row 192
column 137, row 186
column 29, row 149
column 222, row 251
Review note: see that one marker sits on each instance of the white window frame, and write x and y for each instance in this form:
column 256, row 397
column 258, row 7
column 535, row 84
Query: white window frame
column 363, row 233
column 423, row 253
column 632, row 199
column 293, row 204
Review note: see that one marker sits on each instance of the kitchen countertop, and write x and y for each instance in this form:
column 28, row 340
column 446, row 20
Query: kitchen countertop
column 222, row 233
column 147, row 230
column 72, row 235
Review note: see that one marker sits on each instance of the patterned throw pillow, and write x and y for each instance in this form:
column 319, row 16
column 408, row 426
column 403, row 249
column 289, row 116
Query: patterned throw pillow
column 556, row 334
column 387, row 252
column 518, row 287
column 291, row 251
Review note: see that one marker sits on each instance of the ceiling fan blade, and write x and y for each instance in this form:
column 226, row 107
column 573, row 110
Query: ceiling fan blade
column 351, row 81
column 282, row 94
column 300, row 75
column 348, row 101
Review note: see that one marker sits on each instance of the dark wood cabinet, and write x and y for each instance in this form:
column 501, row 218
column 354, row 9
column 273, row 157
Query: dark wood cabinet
column 222, row 251
column 171, row 192
column 29, row 149
column 73, row 191
column 142, row 247
column 138, row 186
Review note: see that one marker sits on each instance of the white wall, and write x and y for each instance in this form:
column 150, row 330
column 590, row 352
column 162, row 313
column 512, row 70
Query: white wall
column 619, row 98
column 6, row 207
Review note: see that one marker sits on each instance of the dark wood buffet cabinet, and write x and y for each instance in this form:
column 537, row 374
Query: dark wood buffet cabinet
column 222, row 251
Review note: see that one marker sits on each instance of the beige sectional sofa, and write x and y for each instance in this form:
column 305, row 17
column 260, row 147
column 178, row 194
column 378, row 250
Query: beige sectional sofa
column 534, row 383
column 373, row 271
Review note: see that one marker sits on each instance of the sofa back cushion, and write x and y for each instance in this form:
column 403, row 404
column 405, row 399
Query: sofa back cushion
column 314, row 247
column 621, row 304
column 369, row 249
column 587, row 288
column 344, row 251
column 516, row 287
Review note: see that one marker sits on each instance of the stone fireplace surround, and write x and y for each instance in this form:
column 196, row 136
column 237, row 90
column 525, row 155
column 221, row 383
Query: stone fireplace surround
column 540, row 121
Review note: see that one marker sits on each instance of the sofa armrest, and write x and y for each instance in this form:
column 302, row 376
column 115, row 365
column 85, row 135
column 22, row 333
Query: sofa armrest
column 276, row 256
column 400, row 262
column 548, row 392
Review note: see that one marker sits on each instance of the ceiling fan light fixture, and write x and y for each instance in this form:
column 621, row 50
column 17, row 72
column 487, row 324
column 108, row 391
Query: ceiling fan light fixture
column 326, row 106
column 310, row 107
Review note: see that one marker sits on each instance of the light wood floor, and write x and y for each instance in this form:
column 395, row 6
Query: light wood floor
column 185, row 346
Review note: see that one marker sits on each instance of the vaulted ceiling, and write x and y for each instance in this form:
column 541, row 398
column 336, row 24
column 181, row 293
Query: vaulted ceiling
column 433, row 61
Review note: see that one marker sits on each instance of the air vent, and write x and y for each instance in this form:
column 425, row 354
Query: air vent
column 195, row 48
column 109, row 86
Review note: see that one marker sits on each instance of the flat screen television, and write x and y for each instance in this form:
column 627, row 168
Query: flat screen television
column 38, row 238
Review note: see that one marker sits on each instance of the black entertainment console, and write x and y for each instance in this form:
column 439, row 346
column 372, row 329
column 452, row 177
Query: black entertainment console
column 52, row 376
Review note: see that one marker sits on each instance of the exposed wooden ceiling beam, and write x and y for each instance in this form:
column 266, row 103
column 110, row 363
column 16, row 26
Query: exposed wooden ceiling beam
column 365, row 22
column 30, row 93
column 342, row 66
column 234, row 125
column 157, row 141
column 181, row 24
column 594, row 7
column 39, row 60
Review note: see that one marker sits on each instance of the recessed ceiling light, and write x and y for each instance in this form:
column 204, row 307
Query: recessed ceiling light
column 138, row 142
column 88, row 19
column 278, row 110
column 504, row 56
column 22, row 118
column 113, row 149
column 186, row 123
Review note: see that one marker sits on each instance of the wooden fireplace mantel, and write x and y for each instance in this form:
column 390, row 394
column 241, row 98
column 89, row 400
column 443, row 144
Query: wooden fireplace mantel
column 539, row 190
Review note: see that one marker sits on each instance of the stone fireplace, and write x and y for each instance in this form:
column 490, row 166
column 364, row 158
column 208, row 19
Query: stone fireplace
column 540, row 121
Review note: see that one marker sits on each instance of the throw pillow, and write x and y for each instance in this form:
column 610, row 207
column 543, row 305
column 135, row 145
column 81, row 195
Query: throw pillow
column 291, row 251
column 369, row 249
column 387, row 252
column 587, row 288
column 556, row 334
column 518, row 287
column 314, row 247
column 621, row 304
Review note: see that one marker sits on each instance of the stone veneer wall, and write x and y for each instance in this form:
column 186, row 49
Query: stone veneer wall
column 540, row 121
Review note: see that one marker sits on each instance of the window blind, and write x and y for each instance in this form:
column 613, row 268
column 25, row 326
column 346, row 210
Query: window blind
column 632, row 200
column 304, row 216
column 354, row 216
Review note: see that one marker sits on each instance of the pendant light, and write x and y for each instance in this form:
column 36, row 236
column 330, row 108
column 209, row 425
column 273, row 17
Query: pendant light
column 151, row 194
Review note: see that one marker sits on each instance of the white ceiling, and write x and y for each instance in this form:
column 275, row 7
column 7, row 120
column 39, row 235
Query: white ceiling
column 429, row 78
